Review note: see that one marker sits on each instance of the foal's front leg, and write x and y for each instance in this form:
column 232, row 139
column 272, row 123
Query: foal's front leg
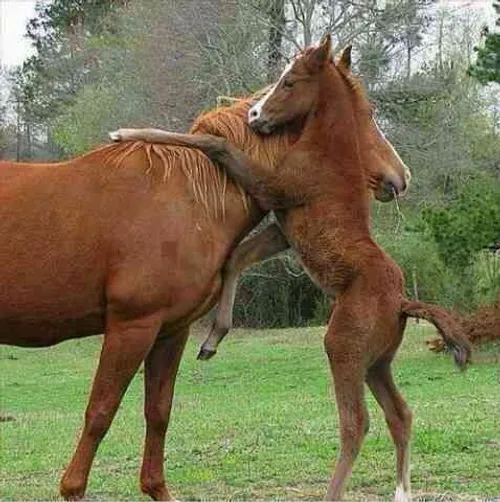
column 267, row 187
column 261, row 246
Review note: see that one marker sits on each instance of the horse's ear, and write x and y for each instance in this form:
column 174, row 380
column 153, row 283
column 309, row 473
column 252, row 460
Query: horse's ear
column 326, row 42
column 345, row 58
column 322, row 54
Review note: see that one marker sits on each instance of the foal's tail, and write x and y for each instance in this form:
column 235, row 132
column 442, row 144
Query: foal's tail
column 448, row 327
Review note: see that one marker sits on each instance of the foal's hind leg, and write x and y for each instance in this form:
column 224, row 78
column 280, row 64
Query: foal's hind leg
column 161, row 368
column 347, row 366
column 126, row 344
column 398, row 417
column 257, row 248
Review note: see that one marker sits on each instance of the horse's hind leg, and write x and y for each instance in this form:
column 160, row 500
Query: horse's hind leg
column 161, row 368
column 347, row 366
column 126, row 344
column 398, row 417
column 257, row 248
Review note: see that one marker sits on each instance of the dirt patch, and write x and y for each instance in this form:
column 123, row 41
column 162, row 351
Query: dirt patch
column 6, row 418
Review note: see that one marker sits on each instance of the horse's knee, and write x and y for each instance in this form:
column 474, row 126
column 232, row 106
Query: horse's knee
column 354, row 426
column 405, row 417
column 156, row 418
column 400, row 424
column 97, row 423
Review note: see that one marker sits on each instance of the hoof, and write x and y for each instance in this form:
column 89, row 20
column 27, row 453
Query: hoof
column 72, row 493
column 115, row 136
column 71, row 488
column 205, row 354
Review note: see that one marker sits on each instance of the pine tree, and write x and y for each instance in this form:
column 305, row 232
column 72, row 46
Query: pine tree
column 487, row 67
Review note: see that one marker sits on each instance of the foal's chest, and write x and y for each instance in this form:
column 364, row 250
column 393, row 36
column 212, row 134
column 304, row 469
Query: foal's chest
column 315, row 239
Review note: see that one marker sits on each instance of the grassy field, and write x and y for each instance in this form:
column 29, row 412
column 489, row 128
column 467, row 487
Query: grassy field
column 258, row 421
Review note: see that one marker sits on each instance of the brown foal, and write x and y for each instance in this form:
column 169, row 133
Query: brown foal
column 319, row 193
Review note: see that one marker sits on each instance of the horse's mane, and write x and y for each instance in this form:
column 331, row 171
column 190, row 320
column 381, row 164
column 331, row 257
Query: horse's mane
column 207, row 181
column 231, row 123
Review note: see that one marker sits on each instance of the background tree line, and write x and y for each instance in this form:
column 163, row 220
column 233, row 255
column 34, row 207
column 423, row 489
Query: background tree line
column 102, row 64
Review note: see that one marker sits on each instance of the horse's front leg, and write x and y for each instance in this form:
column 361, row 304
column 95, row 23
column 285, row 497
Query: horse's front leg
column 261, row 246
column 126, row 344
column 161, row 368
column 265, row 185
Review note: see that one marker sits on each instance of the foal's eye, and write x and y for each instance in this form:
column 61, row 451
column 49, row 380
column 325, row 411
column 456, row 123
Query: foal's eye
column 287, row 83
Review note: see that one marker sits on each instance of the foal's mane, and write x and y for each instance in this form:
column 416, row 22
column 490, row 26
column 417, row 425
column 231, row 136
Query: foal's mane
column 207, row 181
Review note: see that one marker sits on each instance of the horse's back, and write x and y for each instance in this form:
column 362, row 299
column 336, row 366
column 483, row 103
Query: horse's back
column 76, row 236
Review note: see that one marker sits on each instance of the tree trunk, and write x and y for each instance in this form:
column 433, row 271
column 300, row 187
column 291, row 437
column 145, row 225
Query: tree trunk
column 29, row 149
column 276, row 28
column 18, row 131
column 408, row 60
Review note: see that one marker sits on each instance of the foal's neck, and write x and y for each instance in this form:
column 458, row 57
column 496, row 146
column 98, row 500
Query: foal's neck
column 331, row 131
column 332, row 121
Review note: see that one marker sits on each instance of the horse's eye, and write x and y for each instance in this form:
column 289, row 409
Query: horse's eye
column 288, row 83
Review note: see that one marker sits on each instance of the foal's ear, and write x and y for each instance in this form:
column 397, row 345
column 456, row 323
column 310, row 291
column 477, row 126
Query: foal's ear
column 345, row 58
column 322, row 54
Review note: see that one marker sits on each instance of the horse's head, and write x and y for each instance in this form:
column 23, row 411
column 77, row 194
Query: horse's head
column 311, row 82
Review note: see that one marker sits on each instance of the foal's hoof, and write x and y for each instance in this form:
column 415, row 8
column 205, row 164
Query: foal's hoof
column 206, row 354
column 115, row 135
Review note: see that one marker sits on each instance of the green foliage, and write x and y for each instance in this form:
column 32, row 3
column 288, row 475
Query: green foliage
column 86, row 122
column 463, row 230
column 425, row 273
column 486, row 274
column 58, row 18
column 64, row 61
column 468, row 225
column 487, row 67
column 277, row 293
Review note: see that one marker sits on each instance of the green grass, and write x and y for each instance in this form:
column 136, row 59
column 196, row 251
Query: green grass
column 258, row 421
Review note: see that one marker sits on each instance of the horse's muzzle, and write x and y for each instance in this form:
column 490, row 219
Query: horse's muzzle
column 261, row 125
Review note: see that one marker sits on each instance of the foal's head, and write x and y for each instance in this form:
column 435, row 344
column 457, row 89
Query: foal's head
column 311, row 82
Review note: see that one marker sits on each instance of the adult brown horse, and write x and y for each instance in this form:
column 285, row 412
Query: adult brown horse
column 128, row 240
column 319, row 194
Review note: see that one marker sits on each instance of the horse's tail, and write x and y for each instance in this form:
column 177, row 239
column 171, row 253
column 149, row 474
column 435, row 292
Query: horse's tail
column 449, row 328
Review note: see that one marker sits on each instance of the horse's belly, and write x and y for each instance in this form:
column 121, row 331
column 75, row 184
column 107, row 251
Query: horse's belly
column 57, row 287
column 28, row 332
